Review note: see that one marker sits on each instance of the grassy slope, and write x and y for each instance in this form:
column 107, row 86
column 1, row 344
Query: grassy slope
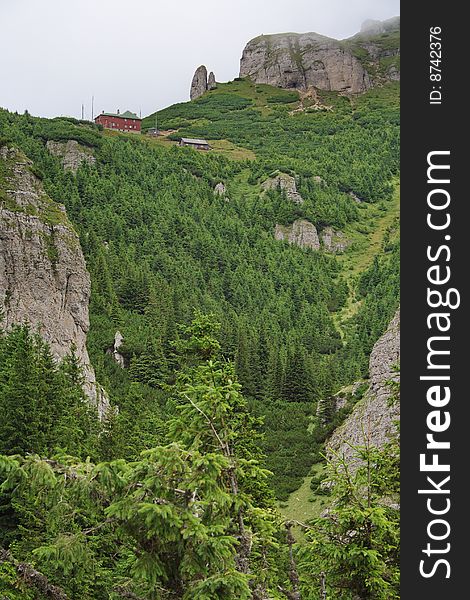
column 303, row 504
column 222, row 147
column 367, row 233
column 368, row 236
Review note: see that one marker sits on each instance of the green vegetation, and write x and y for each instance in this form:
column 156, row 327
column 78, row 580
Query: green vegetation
column 159, row 244
column 44, row 208
column 357, row 543
column 42, row 404
column 190, row 518
column 385, row 44
column 353, row 148
column 222, row 413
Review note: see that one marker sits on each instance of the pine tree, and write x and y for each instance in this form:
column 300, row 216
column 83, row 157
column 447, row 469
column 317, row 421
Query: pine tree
column 357, row 544
column 42, row 403
column 297, row 384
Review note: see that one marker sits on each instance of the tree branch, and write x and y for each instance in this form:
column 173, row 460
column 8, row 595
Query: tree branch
column 33, row 578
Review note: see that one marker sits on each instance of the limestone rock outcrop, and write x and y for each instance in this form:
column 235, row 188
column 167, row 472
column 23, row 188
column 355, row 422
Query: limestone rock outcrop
column 71, row 153
column 285, row 183
column 302, row 61
column 220, row 189
column 202, row 83
column 211, row 82
column 310, row 60
column 375, row 414
column 301, row 233
column 43, row 275
column 373, row 27
column 334, row 240
column 199, row 83
column 114, row 351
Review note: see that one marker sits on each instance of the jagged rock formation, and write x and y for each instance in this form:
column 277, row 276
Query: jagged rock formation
column 382, row 58
column 71, row 153
column 334, row 240
column 303, row 61
column 285, row 183
column 375, row 414
column 199, row 83
column 220, row 189
column 211, row 82
column 43, row 276
column 372, row 27
column 301, row 233
column 114, row 351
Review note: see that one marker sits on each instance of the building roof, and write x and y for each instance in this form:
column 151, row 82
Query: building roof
column 194, row 141
column 129, row 115
column 125, row 115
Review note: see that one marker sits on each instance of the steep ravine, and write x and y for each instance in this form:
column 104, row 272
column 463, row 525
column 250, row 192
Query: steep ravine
column 43, row 275
column 374, row 416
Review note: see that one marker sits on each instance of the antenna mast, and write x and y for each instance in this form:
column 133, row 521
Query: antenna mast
column 92, row 107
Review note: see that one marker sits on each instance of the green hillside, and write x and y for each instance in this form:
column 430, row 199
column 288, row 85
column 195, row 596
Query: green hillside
column 164, row 251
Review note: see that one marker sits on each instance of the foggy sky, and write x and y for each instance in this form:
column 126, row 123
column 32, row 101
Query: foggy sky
column 141, row 54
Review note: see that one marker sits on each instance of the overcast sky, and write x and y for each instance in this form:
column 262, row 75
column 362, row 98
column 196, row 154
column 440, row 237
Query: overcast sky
column 141, row 54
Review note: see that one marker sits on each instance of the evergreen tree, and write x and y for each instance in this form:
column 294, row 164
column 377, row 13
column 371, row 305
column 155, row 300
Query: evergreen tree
column 357, row 544
column 297, row 384
column 42, row 403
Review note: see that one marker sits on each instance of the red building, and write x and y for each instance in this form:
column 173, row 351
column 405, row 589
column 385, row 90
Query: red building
column 127, row 121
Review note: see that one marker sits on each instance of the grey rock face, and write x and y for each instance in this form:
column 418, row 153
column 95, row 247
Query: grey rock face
column 118, row 357
column 211, row 83
column 301, row 233
column 72, row 154
column 374, row 415
column 303, row 61
column 285, row 183
column 220, row 189
column 199, row 83
column 372, row 27
column 393, row 73
column 43, row 275
column 356, row 199
column 334, row 240
column 310, row 60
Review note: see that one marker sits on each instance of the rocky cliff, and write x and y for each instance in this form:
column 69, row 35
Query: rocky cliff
column 285, row 183
column 301, row 233
column 373, row 27
column 375, row 414
column 334, row 240
column 71, row 153
column 43, row 276
column 311, row 60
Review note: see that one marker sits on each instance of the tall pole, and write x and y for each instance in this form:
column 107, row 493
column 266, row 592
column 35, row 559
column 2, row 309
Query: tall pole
column 92, row 107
